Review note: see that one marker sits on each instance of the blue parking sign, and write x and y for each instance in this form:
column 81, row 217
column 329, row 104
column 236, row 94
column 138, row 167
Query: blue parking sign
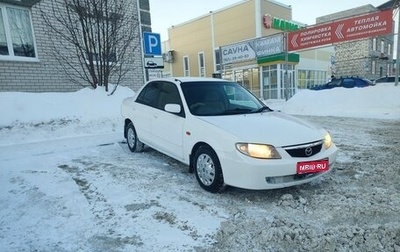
column 152, row 43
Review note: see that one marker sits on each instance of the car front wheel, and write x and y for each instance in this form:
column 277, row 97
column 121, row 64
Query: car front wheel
column 134, row 143
column 208, row 169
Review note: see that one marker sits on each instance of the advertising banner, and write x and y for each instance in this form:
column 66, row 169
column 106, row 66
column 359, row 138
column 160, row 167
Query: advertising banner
column 364, row 26
column 252, row 49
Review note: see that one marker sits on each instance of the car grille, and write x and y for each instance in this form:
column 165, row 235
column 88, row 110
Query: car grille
column 304, row 150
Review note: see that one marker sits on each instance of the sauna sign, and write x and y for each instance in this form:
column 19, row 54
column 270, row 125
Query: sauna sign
column 238, row 52
column 252, row 49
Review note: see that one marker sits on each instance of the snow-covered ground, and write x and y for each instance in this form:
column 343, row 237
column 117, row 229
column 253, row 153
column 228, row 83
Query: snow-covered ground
column 69, row 183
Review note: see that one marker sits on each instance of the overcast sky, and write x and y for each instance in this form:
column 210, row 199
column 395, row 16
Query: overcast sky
column 165, row 14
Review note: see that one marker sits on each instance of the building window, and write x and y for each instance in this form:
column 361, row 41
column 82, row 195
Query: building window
column 382, row 46
column 217, row 60
column 374, row 44
column 373, row 67
column 202, row 69
column 390, row 49
column 186, row 68
column 16, row 33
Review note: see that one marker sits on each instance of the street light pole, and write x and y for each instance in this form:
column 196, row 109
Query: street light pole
column 396, row 81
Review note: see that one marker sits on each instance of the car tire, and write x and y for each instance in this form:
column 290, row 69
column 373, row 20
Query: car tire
column 208, row 169
column 132, row 139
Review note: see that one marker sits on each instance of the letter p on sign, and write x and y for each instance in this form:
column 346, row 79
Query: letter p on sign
column 152, row 43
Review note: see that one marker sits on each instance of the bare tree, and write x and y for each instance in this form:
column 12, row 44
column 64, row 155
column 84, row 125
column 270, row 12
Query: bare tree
column 94, row 41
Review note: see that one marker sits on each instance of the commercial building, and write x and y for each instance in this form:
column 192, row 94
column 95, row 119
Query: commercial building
column 371, row 58
column 245, row 42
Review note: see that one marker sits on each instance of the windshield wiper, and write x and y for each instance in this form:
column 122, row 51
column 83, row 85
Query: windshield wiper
column 237, row 111
column 263, row 108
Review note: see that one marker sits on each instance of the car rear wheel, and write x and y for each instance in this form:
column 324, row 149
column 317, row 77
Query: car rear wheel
column 134, row 143
column 208, row 169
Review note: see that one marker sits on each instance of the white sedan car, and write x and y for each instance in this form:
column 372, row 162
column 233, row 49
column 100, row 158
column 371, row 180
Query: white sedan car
column 225, row 134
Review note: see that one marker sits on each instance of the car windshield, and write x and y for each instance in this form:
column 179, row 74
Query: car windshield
column 220, row 98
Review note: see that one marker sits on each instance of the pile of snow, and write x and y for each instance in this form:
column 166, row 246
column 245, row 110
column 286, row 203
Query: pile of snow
column 32, row 117
column 381, row 102
column 85, row 105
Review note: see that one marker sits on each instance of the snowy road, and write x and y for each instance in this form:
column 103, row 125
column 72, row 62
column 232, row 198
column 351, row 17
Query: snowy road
column 91, row 194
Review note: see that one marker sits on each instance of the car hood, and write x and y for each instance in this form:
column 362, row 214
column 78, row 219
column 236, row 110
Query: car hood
column 273, row 128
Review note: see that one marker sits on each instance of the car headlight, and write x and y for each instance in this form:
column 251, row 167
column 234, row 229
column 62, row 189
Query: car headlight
column 258, row 150
column 327, row 141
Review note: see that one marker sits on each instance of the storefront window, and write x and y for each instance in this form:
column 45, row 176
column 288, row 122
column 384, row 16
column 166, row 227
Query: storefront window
column 270, row 82
column 248, row 78
column 302, row 81
column 227, row 75
column 310, row 78
column 251, row 81
column 256, row 85
column 239, row 77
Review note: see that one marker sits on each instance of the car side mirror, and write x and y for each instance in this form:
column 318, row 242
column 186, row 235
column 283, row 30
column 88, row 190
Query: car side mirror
column 173, row 108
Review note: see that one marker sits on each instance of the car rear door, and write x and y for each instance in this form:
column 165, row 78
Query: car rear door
column 145, row 106
column 167, row 127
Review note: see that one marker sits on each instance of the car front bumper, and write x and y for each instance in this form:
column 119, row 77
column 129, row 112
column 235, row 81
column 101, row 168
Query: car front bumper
column 260, row 174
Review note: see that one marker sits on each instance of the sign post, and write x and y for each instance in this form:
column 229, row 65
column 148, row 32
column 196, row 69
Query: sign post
column 396, row 77
column 286, row 80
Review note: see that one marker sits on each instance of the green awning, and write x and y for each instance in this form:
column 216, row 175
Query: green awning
column 292, row 58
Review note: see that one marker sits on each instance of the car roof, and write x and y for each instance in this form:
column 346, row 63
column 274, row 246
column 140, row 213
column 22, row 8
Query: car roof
column 190, row 79
column 351, row 77
column 355, row 77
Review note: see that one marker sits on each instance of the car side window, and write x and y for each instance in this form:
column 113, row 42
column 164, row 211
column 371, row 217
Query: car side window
column 149, row 95
column 157, row 94
column 169, row 94
column 348, row 83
